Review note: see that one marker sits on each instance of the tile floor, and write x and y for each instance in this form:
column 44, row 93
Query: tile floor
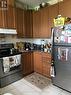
column 33, row 84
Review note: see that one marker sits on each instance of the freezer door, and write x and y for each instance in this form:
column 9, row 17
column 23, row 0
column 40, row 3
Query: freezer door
column 62, row 63
column 62, row 34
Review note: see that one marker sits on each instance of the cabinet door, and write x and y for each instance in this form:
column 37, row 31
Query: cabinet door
column 1, row 19
column 27, row 63
column 36, row 24
column 10, row 2
column 46, row 59
column 28, row 22
column 7, row 18
column 64, row 8
column 44, row 33
column 5, row 22
column 41, row 24
column 38, row 62
column 19, row 22
column 53, row 13
column 11, row 17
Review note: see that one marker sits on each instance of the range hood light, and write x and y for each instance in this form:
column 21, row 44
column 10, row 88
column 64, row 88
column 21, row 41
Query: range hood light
column 8, row 31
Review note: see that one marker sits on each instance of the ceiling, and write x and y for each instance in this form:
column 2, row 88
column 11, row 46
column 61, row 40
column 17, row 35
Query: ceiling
column 34, row 3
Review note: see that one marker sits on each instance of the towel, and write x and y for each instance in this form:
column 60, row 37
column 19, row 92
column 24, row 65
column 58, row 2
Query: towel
column 6, row 64
column 12, row 60
column 18, row 59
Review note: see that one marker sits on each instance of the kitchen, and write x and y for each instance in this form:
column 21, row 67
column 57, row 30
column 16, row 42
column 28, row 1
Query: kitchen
column 32, row 39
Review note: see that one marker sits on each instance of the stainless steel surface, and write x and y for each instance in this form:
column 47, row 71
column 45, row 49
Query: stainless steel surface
column 63, row 70
column 10, row 65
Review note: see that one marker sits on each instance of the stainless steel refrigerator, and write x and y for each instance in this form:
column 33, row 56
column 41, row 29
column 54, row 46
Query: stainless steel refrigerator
column 61, row 50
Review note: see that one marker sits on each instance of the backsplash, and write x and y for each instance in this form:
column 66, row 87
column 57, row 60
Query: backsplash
column 14, row 39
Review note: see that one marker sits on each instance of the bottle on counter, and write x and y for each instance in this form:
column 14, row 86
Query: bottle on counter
column 42, row 48
column 42, row 45
column 45, row 48
column 49, row 47
column 20, row 46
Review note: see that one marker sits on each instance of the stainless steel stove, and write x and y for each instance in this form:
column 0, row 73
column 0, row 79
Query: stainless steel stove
column 10, row 65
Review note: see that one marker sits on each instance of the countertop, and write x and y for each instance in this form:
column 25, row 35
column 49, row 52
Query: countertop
column 20, row 52
column 16, row 53
column 34, row 51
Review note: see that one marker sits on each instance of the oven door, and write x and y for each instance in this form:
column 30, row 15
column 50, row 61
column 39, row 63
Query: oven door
column 14, row 62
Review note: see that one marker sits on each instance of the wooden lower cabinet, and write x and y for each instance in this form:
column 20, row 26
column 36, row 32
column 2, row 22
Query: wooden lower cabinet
column 42, row 63
column 27, row 63
column 41, row 24
column 46, row 64
column 37, row 62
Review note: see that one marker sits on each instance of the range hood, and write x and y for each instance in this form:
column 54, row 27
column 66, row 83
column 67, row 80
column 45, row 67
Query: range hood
column 7, row 31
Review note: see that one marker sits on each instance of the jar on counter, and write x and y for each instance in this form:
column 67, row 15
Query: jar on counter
column 49, row 50
column 45, row 49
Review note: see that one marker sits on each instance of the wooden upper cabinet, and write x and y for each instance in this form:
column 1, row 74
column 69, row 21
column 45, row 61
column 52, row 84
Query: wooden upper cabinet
column 7, row 15
column 43, row 21
column 24, row 23
column 44, row 33
column 7, row 18
column 36, row 24
column 11, row 17
column 19, row 22
column 10, row 2
column 53, row 13
column 65, row 8
column 1, row 18
column 28, row 23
